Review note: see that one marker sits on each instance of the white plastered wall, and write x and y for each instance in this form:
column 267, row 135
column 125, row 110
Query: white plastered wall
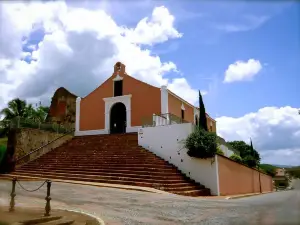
column 167, row 143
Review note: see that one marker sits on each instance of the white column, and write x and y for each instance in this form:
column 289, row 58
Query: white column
column 164, row 99
column 107, row 115
column 77, row 122
column 128, row 113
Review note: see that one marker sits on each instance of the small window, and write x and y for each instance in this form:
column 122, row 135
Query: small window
column 182, row 114
column 118, row 88
column 196, row 120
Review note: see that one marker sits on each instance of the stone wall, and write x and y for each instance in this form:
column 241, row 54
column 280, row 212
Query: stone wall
column 27, row 140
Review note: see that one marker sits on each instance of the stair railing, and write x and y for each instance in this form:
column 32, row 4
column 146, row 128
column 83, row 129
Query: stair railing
column 39, row 151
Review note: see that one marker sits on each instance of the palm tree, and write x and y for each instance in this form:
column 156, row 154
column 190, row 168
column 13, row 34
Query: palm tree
column 16, row 108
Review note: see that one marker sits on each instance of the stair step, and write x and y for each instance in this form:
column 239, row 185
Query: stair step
column 133, row 174
column 171, row 186
column 119, row 176
column 165, row 172
column 115, row 159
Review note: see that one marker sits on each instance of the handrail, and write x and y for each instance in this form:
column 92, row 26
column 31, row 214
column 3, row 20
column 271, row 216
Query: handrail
column 163, row 120
column 41, row 147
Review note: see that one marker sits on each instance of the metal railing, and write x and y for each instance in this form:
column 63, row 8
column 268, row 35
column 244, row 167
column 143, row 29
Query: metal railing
column 39, row 151
column 162, row 120
column 13, row 195
column 19, row 122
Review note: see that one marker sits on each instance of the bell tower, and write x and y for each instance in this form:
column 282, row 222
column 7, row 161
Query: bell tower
column 119, row 69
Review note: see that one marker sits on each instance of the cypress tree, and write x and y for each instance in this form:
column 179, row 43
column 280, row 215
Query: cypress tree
column 202, row 117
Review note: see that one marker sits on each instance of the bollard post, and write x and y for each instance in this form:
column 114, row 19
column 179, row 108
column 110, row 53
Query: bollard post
column 48, row 199
column 13, row 195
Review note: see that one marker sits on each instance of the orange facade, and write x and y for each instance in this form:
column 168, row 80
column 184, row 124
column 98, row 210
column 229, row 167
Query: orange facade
column 176, row 104
column 145, row 100
column 235, row 178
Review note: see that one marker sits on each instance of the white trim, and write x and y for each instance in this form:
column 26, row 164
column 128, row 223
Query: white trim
column 109, row 102
column 182, row 106
column 118, row 78
column 217, row 170
column 164, row 100
column 77, row 120
column 104, row 131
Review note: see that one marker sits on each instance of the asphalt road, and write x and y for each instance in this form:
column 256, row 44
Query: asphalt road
column 116, row 206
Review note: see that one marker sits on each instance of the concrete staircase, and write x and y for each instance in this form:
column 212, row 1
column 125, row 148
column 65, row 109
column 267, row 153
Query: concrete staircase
column 114, row 159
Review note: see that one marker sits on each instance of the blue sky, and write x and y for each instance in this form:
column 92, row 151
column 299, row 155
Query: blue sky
column 276, row 43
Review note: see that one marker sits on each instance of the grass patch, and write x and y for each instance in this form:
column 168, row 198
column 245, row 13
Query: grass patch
column 3, row 141
column 2, row 223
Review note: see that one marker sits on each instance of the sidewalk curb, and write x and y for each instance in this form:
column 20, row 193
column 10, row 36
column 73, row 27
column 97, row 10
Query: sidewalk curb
column 247, row 195
column 105, row 185
column 101, row 222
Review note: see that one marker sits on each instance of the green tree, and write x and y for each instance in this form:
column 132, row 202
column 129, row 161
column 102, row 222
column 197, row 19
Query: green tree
column 16, row 107
column 202, row 117
column 248, row 154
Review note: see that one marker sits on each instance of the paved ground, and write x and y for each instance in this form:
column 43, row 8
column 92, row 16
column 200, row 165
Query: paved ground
column 131, row 207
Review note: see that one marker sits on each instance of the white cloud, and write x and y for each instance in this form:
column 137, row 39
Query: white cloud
column 246, row 23
column 242, row 71
column 79, row 49
column 274, row 131
column 159, row 28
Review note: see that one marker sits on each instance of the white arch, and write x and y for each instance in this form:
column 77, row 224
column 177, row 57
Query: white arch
column 109, row 102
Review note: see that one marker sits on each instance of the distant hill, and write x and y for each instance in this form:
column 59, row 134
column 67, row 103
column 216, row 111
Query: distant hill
column 281, row 166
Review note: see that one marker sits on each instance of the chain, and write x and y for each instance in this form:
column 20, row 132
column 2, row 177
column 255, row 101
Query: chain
column 31, row 190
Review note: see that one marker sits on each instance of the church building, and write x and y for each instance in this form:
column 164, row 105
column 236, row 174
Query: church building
column 123, row 104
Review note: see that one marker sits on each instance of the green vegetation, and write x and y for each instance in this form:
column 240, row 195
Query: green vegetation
column 2, row 152
column 294, row 171
column 236, row 158
column 248, row 154
column 201, row 143
column 202, row 117
column 20, row 114
column 269, row 169
column 219, row 151
column 3, row 141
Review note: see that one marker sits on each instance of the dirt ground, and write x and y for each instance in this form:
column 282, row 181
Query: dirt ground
column 22, row 214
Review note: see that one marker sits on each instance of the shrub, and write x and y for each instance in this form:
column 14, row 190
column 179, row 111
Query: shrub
column 250, row 161
column 219, row 151
column 201, row 144
column 2, row 152
column 236, row 158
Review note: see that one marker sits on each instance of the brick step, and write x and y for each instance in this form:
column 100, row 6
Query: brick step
column 100, row 157
column 103, row 160
column 171, row 176
column 108, row 167
column 194, row 193
column 101, row 153
column 184, row 186
column 166, row 172
column 104, row 165
column 163, row 180
column 102, row 148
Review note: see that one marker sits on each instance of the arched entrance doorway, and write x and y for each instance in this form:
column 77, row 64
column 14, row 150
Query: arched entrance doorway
column 118, row 118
